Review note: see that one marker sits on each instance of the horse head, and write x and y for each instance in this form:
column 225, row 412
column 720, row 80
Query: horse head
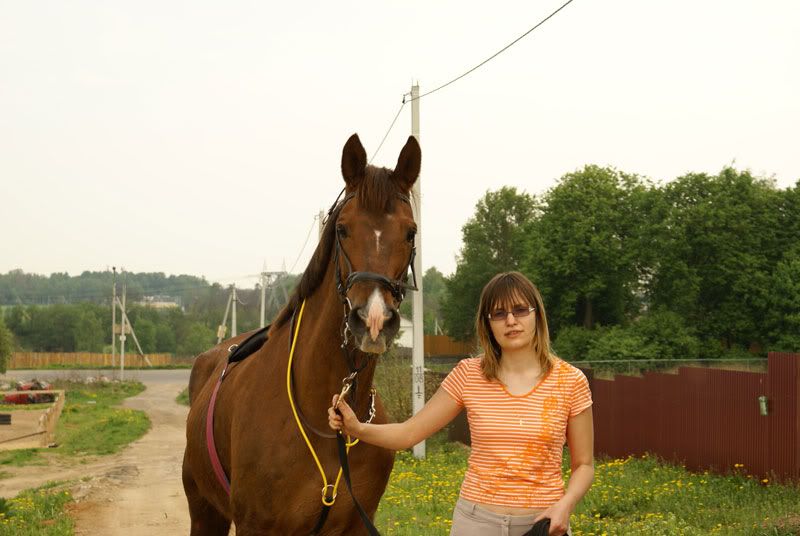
column 374, row 240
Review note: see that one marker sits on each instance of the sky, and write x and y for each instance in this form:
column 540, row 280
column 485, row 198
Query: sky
column 204, row 137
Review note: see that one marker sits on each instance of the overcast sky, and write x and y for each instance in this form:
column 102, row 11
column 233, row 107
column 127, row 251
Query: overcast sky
column 204, row 137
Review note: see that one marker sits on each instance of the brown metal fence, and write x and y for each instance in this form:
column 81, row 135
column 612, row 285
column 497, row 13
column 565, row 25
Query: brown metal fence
column 442, row 345
column 703, row 418
column 26, row 360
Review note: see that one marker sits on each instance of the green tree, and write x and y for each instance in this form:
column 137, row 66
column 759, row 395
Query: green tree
column 165, row 339
column 784, row 311
column 88, row 331
column 197, row 340
column 584, row 251
column 434, row 287
column 146, row 333
column 720, row 238
column 6, row 346
column 492, row 242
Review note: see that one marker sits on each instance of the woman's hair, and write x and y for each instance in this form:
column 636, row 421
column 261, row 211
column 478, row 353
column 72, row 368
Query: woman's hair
column 504, row 291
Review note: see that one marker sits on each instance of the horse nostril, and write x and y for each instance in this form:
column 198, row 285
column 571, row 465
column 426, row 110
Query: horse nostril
column 362, row 313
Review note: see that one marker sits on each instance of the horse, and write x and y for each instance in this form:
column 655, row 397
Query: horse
column 348, row 299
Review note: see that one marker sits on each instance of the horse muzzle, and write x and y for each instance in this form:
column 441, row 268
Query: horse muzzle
column 373, row 328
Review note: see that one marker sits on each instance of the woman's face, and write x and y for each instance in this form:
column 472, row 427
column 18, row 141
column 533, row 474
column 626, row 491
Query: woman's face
column 513, row 331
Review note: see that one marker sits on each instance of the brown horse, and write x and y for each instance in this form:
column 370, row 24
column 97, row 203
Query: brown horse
column 351, row 288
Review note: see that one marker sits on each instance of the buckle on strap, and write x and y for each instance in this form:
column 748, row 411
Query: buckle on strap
column 347, row 383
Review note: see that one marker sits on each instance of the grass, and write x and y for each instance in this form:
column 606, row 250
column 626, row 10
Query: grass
column 24, row 407
column 183, row 397
column 421, row 494
column 630, row 496
column 36, row 512
column 20, row 457
column 89, row 423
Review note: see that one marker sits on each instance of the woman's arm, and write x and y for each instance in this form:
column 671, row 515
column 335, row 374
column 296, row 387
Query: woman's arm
column 580, row 439
column 440, row 410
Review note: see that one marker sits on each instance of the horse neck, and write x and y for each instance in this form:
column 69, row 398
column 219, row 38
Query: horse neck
column 319, row 362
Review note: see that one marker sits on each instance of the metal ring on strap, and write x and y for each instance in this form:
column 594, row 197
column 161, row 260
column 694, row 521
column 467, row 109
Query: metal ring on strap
column 328, row 500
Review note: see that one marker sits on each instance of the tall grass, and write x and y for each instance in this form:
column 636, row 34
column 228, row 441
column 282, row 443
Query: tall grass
column 36, row 512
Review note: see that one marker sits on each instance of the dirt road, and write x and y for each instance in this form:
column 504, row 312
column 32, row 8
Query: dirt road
column 135, row 492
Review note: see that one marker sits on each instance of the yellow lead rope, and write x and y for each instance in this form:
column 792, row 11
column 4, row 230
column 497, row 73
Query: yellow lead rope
column 325, row 500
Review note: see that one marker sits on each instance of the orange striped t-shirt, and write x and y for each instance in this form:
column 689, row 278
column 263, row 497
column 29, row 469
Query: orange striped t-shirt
column 517, row 441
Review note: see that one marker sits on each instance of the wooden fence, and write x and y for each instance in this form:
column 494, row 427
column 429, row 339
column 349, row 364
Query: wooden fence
column 28, row 360
column 703, row 418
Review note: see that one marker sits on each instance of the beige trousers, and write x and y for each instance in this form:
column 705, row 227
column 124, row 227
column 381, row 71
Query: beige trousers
column 469, row 519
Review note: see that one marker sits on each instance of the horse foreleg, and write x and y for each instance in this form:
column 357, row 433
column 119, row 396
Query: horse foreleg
column 206, row 520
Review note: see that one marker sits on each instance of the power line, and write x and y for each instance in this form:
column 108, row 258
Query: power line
column 291, row 270
column 493, row 56
column 390, row 128
column 481, row 64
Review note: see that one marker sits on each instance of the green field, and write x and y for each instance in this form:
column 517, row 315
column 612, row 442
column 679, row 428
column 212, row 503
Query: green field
column 631, row 496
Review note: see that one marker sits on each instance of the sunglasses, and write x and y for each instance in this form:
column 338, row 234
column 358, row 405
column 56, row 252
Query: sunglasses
column 518, row 312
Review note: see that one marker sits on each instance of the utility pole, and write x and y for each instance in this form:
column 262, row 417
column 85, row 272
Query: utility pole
column 122, row 331
column 263, row 322
column 114, row 320
column 129, row 327
column 418, row 350
column 233, row 313
column 224, row 326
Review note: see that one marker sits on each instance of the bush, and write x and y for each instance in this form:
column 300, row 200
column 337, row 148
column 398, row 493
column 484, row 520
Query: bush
column 620, row 343
column 667, row 336
column 6, row 346
column 573, row 342
column 393, row 382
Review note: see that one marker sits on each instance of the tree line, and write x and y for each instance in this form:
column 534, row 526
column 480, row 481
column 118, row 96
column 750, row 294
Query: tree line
column 78, row 317
column 704, row 266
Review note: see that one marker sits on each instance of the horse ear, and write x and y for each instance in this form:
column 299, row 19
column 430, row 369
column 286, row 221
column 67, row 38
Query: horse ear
column 406, row 171
column 354, row 161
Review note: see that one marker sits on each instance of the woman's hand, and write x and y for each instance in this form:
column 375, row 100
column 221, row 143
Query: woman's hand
column 559, row 518
column 345, row 420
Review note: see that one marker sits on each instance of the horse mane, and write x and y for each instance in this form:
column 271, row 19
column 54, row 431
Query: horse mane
column 376, row 193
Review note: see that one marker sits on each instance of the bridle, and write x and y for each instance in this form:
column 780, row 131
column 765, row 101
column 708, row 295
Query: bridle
column 397, row 287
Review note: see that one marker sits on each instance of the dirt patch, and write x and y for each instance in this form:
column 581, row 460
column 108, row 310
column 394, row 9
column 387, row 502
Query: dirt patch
column 137, row 491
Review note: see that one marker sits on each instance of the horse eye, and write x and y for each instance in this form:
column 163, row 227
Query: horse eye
column 411, row 234
column 341, row 230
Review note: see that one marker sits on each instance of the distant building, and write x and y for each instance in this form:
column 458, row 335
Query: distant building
column 405, row 337
column 160, row 302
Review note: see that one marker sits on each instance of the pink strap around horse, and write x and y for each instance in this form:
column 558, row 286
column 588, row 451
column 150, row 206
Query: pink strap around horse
column 211, row 446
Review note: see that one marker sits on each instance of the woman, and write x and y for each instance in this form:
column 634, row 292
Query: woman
column 522, row 404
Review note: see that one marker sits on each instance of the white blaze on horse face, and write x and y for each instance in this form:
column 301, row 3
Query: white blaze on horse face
column 376, row 314
column 378, row 241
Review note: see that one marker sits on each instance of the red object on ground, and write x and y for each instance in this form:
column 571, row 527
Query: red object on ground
column 31, row 398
